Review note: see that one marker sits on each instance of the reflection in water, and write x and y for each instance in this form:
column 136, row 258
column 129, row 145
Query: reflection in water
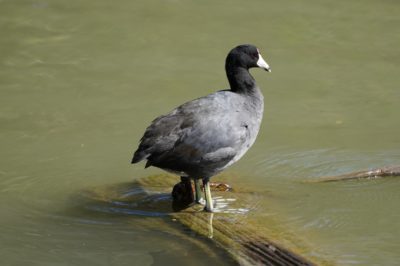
column 210, row 226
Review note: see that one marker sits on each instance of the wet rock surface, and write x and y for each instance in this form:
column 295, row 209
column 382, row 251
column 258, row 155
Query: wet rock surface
column 232, row 228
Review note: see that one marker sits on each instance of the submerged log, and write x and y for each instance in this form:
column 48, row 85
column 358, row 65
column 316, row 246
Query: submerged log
column 387, row 171
column 246, row 244
column 245, row 240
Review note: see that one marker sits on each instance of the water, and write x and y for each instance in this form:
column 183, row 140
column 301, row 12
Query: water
column 79, row 82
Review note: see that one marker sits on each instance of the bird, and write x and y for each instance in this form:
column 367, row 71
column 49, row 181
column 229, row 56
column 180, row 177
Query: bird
column 202, row 137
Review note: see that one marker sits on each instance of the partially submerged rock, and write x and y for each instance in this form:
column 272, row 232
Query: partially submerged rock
column 233, row 228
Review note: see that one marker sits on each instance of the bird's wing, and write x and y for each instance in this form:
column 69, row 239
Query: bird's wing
column 199, row 131
column 160, row 136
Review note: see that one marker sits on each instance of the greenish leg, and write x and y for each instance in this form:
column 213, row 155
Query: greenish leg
column 199, row 196
column 207, row 191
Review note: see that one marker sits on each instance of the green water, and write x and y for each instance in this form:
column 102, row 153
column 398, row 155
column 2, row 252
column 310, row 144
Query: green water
column 80, row 80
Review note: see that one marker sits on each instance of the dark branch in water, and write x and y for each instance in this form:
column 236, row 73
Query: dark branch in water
column 387, row 171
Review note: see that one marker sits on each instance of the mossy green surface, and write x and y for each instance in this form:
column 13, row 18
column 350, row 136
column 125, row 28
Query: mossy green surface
column 247, row 237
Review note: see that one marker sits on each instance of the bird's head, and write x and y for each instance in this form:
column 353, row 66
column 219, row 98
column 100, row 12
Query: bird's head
column 247, row 56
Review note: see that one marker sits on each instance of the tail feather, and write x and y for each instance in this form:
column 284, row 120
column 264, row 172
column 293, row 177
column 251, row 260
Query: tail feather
column 148, row 164
column 139, row 156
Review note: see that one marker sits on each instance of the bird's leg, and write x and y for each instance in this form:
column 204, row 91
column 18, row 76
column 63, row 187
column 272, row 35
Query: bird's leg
column 197, row 186
column 207, row 192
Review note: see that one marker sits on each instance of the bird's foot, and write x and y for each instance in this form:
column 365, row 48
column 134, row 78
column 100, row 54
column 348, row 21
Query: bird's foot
column 201, row 201
column 209, row 209
column 221, row 187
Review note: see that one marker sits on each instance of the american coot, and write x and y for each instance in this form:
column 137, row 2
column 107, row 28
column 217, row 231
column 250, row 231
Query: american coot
column 202, row 137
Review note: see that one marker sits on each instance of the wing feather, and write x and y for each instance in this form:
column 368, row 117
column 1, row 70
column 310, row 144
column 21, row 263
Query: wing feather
column 200, row 132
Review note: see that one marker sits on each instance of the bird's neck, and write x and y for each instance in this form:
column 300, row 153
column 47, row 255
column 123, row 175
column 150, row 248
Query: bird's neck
column 241, row 81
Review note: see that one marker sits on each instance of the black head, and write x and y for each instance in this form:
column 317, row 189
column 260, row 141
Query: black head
column 246, row 56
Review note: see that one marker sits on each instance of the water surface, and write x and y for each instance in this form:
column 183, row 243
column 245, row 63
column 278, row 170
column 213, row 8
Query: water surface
column 79, row 82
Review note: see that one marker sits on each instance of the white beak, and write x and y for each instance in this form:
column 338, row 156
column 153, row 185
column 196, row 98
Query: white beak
column 262, row 64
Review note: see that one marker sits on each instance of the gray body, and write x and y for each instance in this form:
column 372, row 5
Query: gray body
column 202, row 137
